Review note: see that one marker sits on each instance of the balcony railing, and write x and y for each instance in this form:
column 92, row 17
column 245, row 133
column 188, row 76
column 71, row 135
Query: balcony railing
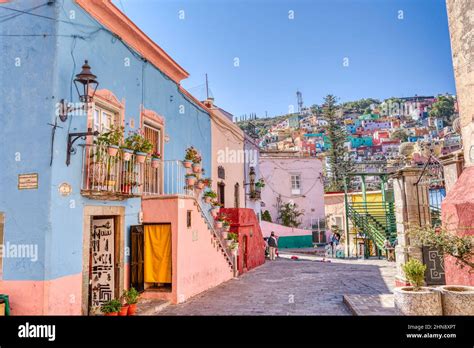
column 115, row 177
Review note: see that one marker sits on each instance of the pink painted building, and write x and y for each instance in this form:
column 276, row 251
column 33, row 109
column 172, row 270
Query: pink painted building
column 293, row 179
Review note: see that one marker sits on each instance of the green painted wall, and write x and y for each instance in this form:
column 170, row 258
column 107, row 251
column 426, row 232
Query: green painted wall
column 295, row 242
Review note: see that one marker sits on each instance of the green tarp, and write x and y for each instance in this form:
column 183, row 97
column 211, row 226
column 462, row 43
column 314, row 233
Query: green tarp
column 295, row 242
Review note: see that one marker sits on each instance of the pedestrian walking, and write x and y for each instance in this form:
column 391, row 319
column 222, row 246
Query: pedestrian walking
column 272, row 245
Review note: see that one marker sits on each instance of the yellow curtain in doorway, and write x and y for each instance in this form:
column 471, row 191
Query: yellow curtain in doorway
column 157, row 265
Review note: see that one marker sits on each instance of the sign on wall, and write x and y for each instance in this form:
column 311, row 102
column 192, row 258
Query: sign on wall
column 102, row 263
column 28, row 181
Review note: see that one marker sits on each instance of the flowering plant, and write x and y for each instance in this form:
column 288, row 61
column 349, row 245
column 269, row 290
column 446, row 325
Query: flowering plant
column 137, row 142
column 156, row 155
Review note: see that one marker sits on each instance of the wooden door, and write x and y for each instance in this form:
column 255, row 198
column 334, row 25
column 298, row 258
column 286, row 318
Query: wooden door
column 136, row 258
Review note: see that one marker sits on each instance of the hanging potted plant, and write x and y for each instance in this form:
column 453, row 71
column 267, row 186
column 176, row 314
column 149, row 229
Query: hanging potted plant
column 231, row 238
column 197, row 163
column 209, row 196
column 260, row 184
column 155, row 159
column 215, row 208
column 456, row 299
column 190, row 179
column 111, row 308
column 207, row 181
column 191, row 152
column 417, row 299
column 112, row 139
column 131, row 298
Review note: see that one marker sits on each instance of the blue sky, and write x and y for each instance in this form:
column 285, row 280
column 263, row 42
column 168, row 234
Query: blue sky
column 387, row 56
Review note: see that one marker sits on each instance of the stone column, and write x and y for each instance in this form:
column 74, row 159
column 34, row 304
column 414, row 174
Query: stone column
column 452, row 168
column 408, row 212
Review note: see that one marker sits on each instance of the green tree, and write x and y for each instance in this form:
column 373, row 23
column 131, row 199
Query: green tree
column 289, row 214
column 338, row 160
column 400, row 134
column 443, row 108
column 266, row 216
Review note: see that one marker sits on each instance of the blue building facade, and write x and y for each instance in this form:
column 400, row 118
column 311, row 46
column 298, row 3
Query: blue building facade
column 38, row 72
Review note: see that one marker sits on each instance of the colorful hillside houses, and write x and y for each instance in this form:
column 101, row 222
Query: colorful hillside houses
column 110, row 214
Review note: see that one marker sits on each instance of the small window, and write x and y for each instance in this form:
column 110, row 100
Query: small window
column 104, row 119
column 296, row 184
column 188, row 218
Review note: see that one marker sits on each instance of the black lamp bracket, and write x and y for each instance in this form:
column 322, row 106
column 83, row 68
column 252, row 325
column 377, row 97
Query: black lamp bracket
column 72, row 138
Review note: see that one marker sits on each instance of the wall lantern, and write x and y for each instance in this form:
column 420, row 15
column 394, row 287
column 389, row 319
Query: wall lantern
column 86, row 85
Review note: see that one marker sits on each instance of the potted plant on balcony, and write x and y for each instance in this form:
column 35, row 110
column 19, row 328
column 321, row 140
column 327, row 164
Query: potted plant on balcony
column 155, row 159
column 209, row 196
column 131, row 298
column 190, row 179
column 191, row 152
column 111, row 308
column 417, row 299
column 456, row 299
column 112, row 139
column 139, row 144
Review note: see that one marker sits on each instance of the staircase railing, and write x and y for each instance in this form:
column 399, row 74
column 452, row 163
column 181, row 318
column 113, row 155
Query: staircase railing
column 205, row 209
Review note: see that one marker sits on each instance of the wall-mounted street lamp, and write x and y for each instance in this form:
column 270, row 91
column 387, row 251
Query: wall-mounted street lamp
column 86, row 85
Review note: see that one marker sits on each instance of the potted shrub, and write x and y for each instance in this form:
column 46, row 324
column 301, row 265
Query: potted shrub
column 190, row 179
column 112, row 139
column 131, row 298
column 416, row 299
column 191, row 152
column 111, row 308
column 209, row 196
column 124, row 310
column 155, row 159
column 456, row 299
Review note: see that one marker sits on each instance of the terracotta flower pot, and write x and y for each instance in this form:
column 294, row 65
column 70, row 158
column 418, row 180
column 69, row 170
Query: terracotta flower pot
column 207, row 199
column 187, row 164
column 218, row 224
column 457, row 299
column 141, row 157
column 426, row 301
column 112, row 150
column 132, row 308
column 124, row 310
column 196, row 168
column 127, row 154
column 190, row 180
column 155, row 162
column 112, row 314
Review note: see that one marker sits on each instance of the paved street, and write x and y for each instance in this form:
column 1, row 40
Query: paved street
column 286, row 287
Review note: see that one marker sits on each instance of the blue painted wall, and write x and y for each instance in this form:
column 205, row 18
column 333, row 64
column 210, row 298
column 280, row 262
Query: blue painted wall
column 42, row 216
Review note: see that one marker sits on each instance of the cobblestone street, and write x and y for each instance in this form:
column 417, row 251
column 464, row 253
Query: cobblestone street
column 286, row 287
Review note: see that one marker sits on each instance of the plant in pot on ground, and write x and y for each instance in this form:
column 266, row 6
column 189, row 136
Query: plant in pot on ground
column 139, row 144
column 417, row 299
column 131, row 298
column 456, row 299
column 208, row 196
column 189, row 156
column 111, row 308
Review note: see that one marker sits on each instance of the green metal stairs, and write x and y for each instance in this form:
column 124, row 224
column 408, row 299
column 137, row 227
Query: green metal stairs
column 374, row 219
